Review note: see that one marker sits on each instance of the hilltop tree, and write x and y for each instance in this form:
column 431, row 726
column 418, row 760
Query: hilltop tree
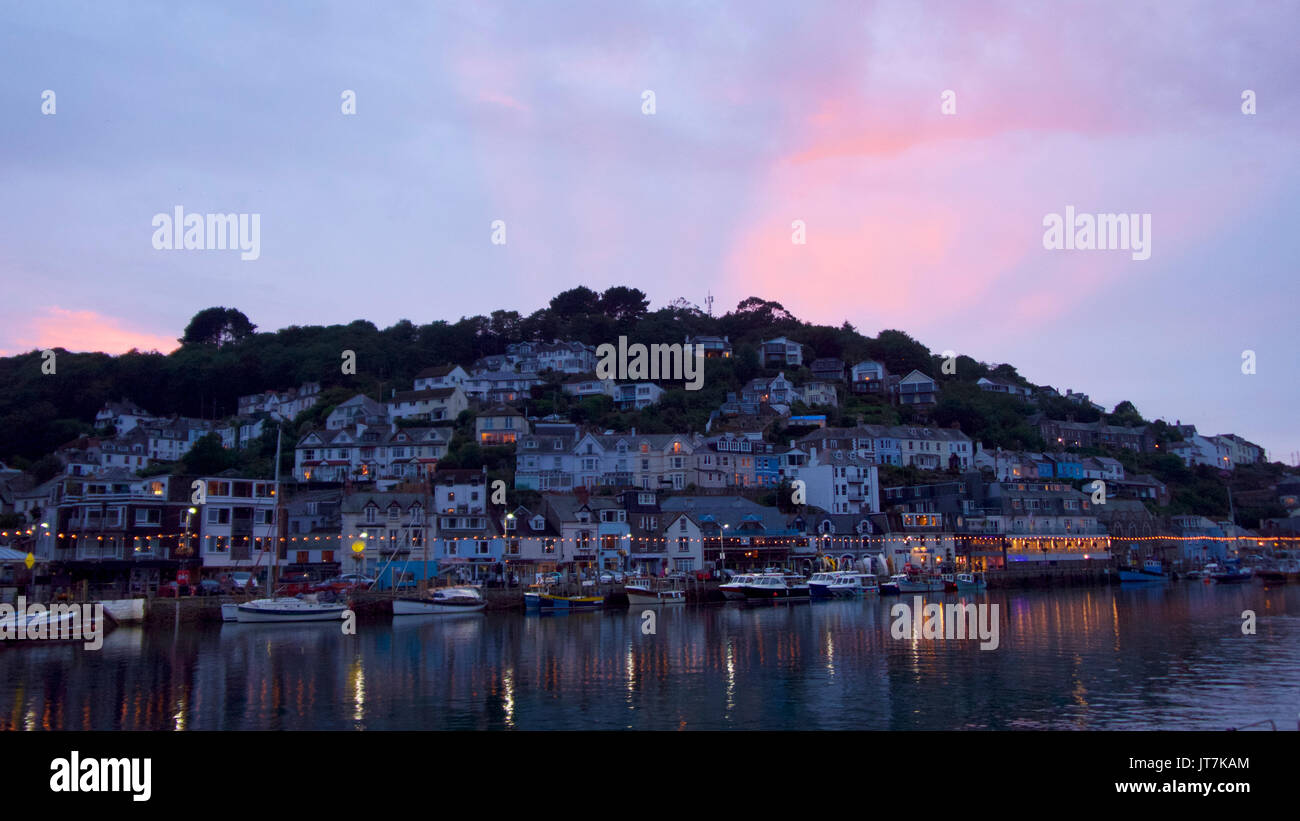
column 624, row 304
column 217, row 326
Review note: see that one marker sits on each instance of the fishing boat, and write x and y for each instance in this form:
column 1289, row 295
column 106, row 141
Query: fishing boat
column 849, row 585
column 288, row 609
column 734, row 590
column 971, row 581
column 646, row 593
column 1151, row 571
column 771, row 586
column 949, row 582
column 441, row 600
column 819, row 584
column 534, row 600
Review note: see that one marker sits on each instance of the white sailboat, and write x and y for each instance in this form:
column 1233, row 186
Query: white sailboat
column 441, row 600
column 283, row 608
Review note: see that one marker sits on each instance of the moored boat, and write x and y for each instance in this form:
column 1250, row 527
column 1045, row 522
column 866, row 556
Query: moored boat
column 1230, row 575
column 819, row 584
column 734, row 590
column 971, row 581
column 893, row 586
column 1151, row 571
column 552, row 601
column 285, row 609
column 848, row 585
column 777, row 586
column 646, row 593
column 920, row 584
column 442, row 600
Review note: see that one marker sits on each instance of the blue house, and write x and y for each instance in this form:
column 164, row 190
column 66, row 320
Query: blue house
column 1068, row 466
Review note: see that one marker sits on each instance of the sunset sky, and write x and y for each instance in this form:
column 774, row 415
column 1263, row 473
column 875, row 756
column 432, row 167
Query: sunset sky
column 766, row 113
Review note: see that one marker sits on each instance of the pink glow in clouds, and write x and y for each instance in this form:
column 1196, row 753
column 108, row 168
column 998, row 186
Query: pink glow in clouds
column 83, row 331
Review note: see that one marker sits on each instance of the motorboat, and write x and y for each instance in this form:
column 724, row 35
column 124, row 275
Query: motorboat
column 286, row 609
column 645, row 593
column 848, row 585
column 734, row 590
column 777, row 586
column 1151, row 571
column 917, row 583
column 819, row 584
column 971, row 581
column 1230, row 575
column 893, row 586
column 441, row 600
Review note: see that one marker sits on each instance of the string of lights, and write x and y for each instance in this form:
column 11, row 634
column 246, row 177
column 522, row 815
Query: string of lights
column 381, row 535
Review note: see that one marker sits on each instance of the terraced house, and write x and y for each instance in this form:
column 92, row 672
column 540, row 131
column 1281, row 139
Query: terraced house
column 559, row 457
column 369, row 453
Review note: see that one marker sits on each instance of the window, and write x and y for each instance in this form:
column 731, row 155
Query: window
column 150, row 516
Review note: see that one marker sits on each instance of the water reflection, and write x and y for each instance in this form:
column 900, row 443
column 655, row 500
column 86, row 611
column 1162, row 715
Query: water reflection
column 1117, row 658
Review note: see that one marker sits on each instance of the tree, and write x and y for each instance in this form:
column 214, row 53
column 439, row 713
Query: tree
column 217, row 326
column 624, row 304
column 578, row 301
column 206, row 457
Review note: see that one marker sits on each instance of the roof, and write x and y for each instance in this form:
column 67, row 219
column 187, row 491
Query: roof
column 433, row 373
column 431, row 394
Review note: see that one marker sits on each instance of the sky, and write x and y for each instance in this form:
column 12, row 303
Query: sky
column 764, row 114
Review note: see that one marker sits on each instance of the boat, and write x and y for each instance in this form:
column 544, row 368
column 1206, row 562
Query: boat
column 646, row 593
column 441, row 600
column 920, row 584
column 535, row 600
column 849, row 585
column 282, row 609
column 894, row 586
column 734, row 590
column 65, row 626
column 777, row 586
column 1151, row 571
column 949, row 582
column 819, row 584
column 1230, row 575
column 288, row 609
column 971, row 581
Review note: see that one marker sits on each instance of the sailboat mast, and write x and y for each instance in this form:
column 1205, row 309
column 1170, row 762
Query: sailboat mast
column 275, row 521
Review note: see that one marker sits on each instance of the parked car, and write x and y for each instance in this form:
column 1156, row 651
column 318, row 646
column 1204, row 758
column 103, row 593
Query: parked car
column 348, row 581
column 208, row 587
column 243, row 581
column 291, row 584
column 606, row 578
column 172, row 590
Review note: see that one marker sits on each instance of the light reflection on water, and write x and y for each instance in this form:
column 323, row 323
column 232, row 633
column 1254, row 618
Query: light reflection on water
column 1096, row 658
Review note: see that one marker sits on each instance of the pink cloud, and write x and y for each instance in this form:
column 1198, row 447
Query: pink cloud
column 82, row 331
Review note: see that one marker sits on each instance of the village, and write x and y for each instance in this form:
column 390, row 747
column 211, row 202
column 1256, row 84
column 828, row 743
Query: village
column 367, row 499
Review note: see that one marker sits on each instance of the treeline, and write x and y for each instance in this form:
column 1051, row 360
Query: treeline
column 222, row 356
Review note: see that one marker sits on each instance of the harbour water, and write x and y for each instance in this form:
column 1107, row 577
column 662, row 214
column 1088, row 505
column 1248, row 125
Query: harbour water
column 1161, row 657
